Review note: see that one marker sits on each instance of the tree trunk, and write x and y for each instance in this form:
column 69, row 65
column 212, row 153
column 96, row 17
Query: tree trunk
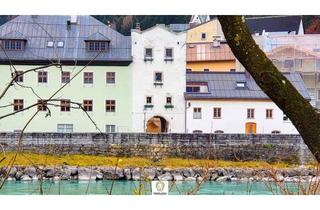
column 303, row 116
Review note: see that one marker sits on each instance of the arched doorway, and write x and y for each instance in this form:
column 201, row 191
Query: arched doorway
column 251, row 128
column 157, row 124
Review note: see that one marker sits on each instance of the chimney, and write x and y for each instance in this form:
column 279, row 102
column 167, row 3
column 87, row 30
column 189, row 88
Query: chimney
column 138, row 26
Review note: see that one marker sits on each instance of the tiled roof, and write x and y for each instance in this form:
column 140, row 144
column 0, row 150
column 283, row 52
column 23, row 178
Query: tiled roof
column 274, row 24
column 40, row 29
column 179, row 27
column 222, row 85
column 206, row 52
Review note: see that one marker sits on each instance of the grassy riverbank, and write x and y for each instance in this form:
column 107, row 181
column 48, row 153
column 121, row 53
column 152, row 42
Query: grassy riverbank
column 28, row 159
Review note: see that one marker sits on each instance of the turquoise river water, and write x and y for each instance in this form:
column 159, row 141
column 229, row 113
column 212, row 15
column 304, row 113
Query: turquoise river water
column 134, row 187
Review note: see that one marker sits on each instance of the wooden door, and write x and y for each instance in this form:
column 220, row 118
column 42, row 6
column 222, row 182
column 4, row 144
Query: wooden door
column 251, row 128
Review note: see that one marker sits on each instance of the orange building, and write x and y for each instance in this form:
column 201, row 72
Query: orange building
column 207, row 49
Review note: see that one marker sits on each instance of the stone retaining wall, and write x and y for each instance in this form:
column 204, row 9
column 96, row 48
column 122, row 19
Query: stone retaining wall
column 289, row 148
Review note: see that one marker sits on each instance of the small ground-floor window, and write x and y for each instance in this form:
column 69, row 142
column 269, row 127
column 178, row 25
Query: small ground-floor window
column 65, row 128
column 110, row 128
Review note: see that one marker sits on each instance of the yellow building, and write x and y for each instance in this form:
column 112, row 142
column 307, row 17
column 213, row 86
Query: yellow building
column 207, row 49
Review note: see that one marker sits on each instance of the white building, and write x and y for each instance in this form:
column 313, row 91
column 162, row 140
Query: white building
column 231, row 102
column 158, row 80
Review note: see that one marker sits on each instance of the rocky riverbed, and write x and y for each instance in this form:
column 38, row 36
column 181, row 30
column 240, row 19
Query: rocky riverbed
column 152, row 173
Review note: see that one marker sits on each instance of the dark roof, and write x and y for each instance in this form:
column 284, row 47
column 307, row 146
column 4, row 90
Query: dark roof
column 222, row 85
column 179, row 27
column 274, row 24
column 40, row 29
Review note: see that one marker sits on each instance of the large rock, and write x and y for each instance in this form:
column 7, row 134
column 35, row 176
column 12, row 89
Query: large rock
column 127, row 173
column 111, row 173
column 25, row 178
column 86, row 174
column 165, row 177
column 223, row 179
column 149, row 173
column 188, row 172
column 191, row 178
column 50, row 173
column 177, row 177
column 30, row 171
column 136, row 174
column 18, row 175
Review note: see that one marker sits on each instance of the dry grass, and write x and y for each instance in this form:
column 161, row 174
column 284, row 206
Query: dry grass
column 26, row 159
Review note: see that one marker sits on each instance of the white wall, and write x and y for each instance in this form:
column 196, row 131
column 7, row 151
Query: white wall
column 234, row 117
column 174, row 77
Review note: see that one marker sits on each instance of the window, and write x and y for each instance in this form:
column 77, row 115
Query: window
column 318, row 94
column 285, row 117
column 17, row 104
column 50, row 44
column 269, row 113
column 241, row 84
column 298, row 63
column 65, row 128
column 42, row 105
column 168, row 54
column 111, row 77
column 193, row 89
column 197, row 131
column 42, row 77
column 203, row 36
column 148, row 53
column 196, row 113
column 65, row 105
column 110, row 128
column 318, row 64
column 148, row 100
column 88, row 77
column 169, row 100
column 232, row 70
column 96, row 45
column 10, row 44
column 216, row 112
column 88, row 105
column 250, row 113
column 206, row 70
column 158, row 77
column 65, row 77
column 19, row 76
column 110, row 105
column 189, row 70
column 275, row 132
column 60, row 44
column 218, row 131
column 288, row 63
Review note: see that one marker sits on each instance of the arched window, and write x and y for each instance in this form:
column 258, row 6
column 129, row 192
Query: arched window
column 219, row 131
column 275, row 132
column 197, row 131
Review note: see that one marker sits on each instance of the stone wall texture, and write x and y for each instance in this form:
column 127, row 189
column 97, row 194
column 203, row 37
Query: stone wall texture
column 276, row 147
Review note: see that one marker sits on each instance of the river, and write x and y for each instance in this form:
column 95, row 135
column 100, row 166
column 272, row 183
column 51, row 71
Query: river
column 132, row 187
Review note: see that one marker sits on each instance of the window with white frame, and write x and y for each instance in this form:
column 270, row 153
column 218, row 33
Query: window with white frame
column 110, row 128
column 148, row 100
column 196, row 113
column 158, row 77
column 65, row 128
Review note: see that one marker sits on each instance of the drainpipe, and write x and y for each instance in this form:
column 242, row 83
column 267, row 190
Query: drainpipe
column 186, row 106
column 144, row 120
